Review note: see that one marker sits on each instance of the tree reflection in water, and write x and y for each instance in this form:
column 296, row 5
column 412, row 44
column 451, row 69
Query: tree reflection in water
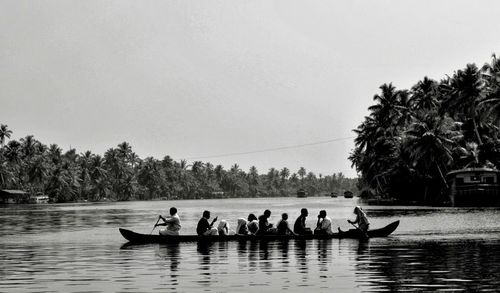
column 429, row 265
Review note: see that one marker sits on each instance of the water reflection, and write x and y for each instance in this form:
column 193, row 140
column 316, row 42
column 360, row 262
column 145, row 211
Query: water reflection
column 301, row 256
column 455, row 265
column 76, row 248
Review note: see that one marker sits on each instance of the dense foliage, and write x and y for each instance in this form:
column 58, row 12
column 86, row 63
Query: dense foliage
column 120, row 174
column 413, row 138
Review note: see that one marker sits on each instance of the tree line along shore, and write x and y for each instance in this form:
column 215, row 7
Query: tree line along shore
column 120, row 174
column 413, row 137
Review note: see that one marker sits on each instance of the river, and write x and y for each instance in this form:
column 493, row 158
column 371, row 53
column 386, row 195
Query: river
column 77, row 248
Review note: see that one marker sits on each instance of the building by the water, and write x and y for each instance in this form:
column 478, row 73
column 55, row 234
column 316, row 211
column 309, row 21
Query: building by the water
column 474, row 187
column 14, row 196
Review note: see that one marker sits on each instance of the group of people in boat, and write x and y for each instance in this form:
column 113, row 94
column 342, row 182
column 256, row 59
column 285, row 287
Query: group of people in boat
column 261, row 226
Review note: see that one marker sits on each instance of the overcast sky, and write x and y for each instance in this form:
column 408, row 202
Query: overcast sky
column 198, row 79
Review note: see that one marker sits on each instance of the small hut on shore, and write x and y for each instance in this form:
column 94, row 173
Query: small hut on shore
column 13, row 196
column 474, row 187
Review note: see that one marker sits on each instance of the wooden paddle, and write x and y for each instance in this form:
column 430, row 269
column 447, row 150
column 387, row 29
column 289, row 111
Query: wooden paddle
column 155, row 226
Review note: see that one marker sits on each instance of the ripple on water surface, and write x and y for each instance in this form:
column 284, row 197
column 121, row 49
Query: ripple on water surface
column 76, row 248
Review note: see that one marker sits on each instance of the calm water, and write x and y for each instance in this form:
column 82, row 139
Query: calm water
column 77, row 248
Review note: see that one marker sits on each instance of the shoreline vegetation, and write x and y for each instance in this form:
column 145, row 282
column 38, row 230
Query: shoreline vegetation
column 120, row 175
column 412, row 138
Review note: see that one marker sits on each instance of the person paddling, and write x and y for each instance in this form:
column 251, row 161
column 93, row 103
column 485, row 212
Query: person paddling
column 324, row 225
column 204, row 227
column 172, row 223
column 300, row 224
column 361, row 220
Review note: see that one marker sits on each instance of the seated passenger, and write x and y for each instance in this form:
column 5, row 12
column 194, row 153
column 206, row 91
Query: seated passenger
column 242, row 228
column 172, row 223
column 223, row 228
column 283, row 227
column 204, row 227
column 253, row 224
column 300, row 224
column 324, row 225
column 264, row 226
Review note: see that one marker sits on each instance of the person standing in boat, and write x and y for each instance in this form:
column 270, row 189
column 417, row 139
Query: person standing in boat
column 300, row 224
column 361, row 219
column 324, row 225
column 264, row 226
column 283, row 227
column 172, row 223
column 205, row 228
column 252, row 224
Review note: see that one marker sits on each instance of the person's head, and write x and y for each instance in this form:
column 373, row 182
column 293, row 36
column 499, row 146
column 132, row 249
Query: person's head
column 322, row 213
column 357, row 209
column 173, row 211
column 267, row 213
column 222, row 224
column 252, row 217
column 206, row 214
column 304, row 212
column 284, row 216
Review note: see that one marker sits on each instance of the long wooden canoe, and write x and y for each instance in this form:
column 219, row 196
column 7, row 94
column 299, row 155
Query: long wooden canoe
column 134, row 237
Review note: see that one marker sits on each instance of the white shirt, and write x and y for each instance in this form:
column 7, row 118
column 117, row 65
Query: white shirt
column 326, row 225
column 173, row 223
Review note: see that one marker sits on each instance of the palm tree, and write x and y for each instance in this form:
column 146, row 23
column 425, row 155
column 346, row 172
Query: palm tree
column 5, row 132
column 84, row 161
column 430, row 144
column 284, row 173
column 491, row 101
column 424, row 95
column 466, row 92
column 386, row 111
column 28, row 146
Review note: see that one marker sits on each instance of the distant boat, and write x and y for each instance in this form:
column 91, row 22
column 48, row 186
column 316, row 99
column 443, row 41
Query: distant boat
column 301, row 193
column 333, row 194
column 348, row 194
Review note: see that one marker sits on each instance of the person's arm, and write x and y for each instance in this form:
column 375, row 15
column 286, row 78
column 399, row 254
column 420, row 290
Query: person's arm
column 355, row 221
column 213, row 221
column 318, row 224
column 289, row 230
column 161, row 224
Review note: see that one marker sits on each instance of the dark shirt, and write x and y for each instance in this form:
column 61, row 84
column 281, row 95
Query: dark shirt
column 203, row 226
column 253, row 227
column 283, row 227
column 300, row 225
column 243, row 230
column 263, row 225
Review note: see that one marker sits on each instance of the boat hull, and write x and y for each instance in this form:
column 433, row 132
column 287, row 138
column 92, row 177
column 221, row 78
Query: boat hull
column 134, row 237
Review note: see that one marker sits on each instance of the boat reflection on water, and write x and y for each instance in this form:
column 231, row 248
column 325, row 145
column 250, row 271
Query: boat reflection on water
column 371, row 265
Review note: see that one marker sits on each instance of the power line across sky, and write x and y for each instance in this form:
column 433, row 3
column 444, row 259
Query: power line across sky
column 269, row 149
